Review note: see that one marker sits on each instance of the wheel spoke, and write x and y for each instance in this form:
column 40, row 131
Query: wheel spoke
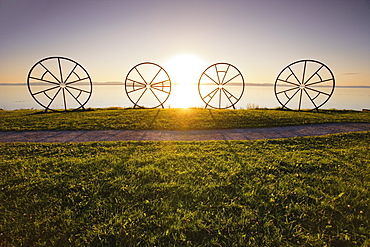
column 153, row 84
column 213, row 93
column 160, row 90
column 289, row 98
column 223, row 90
column 50, row 72
column 304, row 70
column 231, row 79
column 294, row 75
column 314, row 74
column 55, row 95
column 219, row 100
column 77, row 80
column 43, row 91
column 146, row 83
column 295, row 84
column 134, row 90
column 310, row 98
column 155, row 96
column 211, row 78
column 312, row 89
column 218, row 77
column 70, row 73
column 155, row 76
column 208, row 95
column 160, row 86
column 64, row 99
column 300, row 100
column 140, row 97
column 137, row 82
column 317, row 82
column 229, row 98
column 287, row 90
column 231, row 95
column 60, row 70
column 223, row 79
column 76, row 98
column 55, row 83
column 211, row 97
column 78, row 89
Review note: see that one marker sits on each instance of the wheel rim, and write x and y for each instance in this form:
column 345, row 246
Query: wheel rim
column 59, row 83
column 304, row 84
column 148, row 85
column 221, row 86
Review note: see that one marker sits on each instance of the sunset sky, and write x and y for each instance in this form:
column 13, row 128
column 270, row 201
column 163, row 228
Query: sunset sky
column 260, row 38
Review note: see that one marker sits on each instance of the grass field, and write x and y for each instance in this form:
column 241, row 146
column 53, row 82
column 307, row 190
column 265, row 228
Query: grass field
column 290, row 192
column 170, row 119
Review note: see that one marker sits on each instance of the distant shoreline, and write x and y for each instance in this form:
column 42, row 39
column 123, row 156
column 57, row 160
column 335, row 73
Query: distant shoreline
column 121, row 83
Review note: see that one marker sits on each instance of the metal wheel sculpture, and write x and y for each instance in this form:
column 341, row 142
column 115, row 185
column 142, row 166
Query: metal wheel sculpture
column 221, row 86
column 304, row 84
column 59, row 83
column 147, row 85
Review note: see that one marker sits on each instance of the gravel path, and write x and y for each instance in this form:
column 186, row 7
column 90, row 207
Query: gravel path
column 190, row 135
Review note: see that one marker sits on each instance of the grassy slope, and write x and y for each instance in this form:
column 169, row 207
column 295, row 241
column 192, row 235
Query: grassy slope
column 170, row 119
column 291, row 192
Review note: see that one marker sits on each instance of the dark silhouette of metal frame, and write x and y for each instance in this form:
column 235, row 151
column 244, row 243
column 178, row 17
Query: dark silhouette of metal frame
column 50, row 73
column 219, row 86
column 159, row 89
column 303, row 86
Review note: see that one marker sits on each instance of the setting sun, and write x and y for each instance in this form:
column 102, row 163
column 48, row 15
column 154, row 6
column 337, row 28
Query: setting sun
column 184, row 71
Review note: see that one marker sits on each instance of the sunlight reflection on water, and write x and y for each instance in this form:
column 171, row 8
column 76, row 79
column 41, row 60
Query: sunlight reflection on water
column 18, row 97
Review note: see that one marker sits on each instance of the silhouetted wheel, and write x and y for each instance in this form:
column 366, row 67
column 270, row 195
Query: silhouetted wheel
column 147, row 85
column 59, row 83
column 304, row 84
column 221, row 86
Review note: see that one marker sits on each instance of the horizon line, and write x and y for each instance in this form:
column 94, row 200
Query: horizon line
column 174, row 83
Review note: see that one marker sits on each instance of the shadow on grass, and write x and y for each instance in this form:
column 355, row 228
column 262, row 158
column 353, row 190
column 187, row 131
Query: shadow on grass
column 333, row 110
column 154, row 119
column 42, row 112
column 213, row 117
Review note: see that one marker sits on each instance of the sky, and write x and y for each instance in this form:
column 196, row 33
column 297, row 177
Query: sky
column 260, row 38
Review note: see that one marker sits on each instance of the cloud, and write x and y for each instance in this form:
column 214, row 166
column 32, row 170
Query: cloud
column 350, row 73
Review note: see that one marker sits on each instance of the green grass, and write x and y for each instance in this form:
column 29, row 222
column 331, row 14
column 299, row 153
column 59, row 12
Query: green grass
column 170, row 119
column 289, row 192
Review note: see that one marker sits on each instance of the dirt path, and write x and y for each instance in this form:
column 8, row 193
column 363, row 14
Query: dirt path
column 191, row 135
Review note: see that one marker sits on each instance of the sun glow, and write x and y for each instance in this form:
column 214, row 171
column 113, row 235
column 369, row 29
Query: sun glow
column 184, row 71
